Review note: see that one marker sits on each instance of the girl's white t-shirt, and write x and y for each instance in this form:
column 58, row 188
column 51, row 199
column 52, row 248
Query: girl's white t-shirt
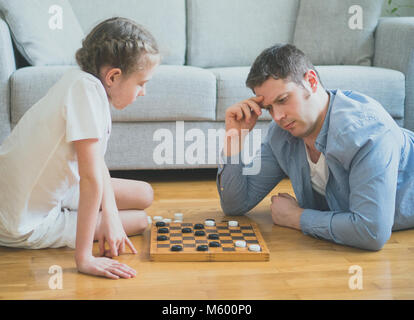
column 319, row 173
column 38, row 162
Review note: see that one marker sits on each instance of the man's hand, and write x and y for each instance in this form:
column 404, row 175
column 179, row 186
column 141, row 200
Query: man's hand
column 240, row 116
column 286, row 211
column 244, row 114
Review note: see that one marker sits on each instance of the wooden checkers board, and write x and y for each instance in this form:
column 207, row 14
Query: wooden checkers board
column 249, row 232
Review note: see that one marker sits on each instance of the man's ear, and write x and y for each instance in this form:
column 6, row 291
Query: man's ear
column 312, row 80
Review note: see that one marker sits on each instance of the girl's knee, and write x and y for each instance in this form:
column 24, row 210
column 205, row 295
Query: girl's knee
column 141, row 222
column 146, row 195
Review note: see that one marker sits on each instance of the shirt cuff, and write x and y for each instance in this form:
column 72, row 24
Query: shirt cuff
column 316, row 223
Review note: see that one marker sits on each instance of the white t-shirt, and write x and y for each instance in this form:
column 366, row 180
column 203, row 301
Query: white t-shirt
column 319, row 173
column 38, row 162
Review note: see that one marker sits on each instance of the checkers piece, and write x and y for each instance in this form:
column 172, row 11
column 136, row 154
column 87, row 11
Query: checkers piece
column 176, row 247
column 213, row 236
column 160, row 224
column 186, row 230
column 240, row 243
column 214, row 244
column 202, row 247
column 254, row 247
column 163, row 230
column 210, row 223
column 178, row 216
column 233, row 223
column 199, row 233
column 198, row 226
column 157, row 218
column 167, row 220
column 162, row 238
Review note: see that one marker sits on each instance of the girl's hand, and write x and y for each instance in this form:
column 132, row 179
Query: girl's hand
column 105, row 267
column 112, row 231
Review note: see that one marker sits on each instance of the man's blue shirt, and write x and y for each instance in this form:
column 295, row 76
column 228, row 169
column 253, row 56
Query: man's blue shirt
column 370, row 190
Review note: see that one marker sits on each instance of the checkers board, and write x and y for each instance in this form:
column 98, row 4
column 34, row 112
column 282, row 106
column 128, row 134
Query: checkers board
column 227, row 236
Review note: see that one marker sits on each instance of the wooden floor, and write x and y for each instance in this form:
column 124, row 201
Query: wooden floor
column 300, row 267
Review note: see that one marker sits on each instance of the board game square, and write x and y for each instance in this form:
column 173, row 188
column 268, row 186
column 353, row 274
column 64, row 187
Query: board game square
column 175, row 228
column 189, row 245
column 163, row 245
column 221, row 227
column 246, row 227
column 224, row 234
column 226, row 241
column 175, row 234
column 186, row 224
column 228, row 249
column 237, row 238
column 252, row 241
column 249, row 235
column 188, row 238
column 201, row 241
column 211, row 230
column 176, row 241
column 235, row 230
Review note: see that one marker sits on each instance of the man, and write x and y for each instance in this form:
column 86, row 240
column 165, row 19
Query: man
column 351, row 166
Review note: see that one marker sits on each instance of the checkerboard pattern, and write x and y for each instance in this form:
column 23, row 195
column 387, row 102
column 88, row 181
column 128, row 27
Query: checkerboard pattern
column 227, row 236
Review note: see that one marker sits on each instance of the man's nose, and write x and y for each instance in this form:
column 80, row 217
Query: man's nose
column 277, row 114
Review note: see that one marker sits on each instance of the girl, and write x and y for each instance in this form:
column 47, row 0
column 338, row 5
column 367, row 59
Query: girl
column 52, row 164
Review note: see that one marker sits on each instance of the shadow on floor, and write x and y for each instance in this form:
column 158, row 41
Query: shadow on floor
column 166, row 175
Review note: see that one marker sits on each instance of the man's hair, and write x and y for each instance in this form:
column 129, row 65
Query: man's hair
column 281, row 61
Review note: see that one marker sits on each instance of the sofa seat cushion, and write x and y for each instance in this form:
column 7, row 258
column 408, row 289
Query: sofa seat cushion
column 174, row 93
column 385, row 85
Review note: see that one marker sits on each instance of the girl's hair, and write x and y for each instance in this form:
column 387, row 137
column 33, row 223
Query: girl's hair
column 119, row 43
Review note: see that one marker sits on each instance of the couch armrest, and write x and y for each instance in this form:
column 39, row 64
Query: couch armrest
column 7, row 67
column 394, row 49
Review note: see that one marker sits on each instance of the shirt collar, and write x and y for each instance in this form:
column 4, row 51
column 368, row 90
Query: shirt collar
column 322, row 137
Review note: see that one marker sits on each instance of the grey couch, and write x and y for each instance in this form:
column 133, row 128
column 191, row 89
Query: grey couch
column 208, row 47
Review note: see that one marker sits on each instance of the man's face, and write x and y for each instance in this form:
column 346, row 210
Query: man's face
column 290, row 105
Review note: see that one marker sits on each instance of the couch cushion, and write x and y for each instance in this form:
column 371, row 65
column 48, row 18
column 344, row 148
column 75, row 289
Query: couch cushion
column 234, row 32
column 174, row 93
column 165, row 19
column 172, row 145
column 385, row 85
column 328, row 31
column 46, row 32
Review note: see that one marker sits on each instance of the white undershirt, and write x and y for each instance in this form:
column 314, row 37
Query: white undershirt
column 319, row 173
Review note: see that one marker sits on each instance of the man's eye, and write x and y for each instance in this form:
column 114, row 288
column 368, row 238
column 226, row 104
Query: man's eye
column 281, row 101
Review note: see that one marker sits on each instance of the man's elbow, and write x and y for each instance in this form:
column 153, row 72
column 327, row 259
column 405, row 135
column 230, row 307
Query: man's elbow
column 375, row 242
column 231, row 210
